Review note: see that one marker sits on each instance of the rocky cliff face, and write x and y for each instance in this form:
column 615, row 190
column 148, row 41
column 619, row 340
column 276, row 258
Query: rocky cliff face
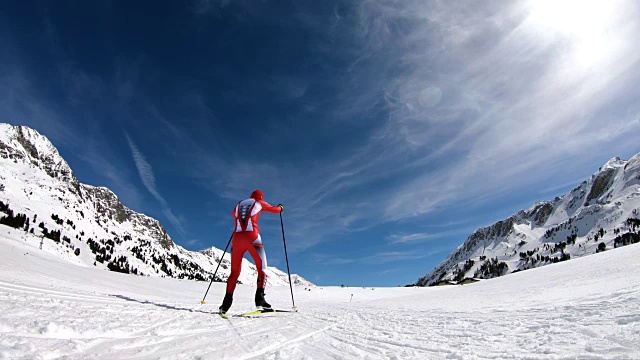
column 89, row 225
column 599, row 214
column 109, row 208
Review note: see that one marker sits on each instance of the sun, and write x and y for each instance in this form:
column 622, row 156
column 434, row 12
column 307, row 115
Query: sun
column 571, row 17
column 584, row 24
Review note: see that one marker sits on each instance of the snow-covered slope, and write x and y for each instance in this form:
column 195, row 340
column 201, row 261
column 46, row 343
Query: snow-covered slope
column 88, row 225
column 600, row 214
column 585, row 308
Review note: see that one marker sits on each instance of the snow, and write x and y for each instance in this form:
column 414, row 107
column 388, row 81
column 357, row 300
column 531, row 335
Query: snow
column 586, row 308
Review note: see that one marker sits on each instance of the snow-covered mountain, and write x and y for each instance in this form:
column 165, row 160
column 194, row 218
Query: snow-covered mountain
column 600, row 214
column 88, row 225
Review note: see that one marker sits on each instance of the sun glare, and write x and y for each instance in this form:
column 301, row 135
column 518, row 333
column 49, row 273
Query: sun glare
column 576, row 17
column 584, row 23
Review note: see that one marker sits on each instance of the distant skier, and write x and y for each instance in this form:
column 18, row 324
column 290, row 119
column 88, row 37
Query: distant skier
column 246, row 237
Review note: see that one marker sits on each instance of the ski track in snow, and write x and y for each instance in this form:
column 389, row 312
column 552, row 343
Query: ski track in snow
column 51, row 309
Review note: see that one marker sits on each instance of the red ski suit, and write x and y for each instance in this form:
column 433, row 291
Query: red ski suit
column 246, row 237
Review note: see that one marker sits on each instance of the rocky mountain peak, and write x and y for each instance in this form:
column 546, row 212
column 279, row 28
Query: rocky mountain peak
column 20, row 143
column 601, row 213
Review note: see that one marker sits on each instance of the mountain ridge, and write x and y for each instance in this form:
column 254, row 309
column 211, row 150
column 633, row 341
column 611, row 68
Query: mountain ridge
column 600, row 213
column 88, row 225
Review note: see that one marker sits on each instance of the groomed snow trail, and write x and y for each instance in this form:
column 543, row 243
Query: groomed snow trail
column 585, row 308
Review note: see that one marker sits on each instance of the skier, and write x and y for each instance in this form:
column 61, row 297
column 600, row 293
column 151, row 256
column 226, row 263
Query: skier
column 246, row 237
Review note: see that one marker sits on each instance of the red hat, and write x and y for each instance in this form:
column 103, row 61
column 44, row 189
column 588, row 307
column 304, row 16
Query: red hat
column 257, row 194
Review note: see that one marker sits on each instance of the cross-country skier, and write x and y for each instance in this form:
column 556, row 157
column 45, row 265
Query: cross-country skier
column 246, row 237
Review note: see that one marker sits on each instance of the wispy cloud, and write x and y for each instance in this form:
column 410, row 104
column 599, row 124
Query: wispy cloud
column 332, row 259
column 485, row 88
column 393, row 256
column 148, row 180
column 410, row 238
column 378, row 258
column 193, row 242
column 21, row 104
column 288, row 87
column 144, row 169
column 206, row 7
column 421, row 237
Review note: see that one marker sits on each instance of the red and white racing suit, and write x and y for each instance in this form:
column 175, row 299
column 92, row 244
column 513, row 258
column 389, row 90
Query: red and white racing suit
column 246, row 237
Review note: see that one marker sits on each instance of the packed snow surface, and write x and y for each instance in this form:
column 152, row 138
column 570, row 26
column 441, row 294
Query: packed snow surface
column 587, row 308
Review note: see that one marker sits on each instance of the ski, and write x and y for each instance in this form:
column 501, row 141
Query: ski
column 265, row 311
column 256, row 312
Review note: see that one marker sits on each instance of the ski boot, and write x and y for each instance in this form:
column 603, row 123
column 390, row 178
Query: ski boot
column 261, row 303
column 226, row 304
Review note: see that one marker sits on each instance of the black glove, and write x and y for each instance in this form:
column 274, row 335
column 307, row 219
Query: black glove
column 281, row 207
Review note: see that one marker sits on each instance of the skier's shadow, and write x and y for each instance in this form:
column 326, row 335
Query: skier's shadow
column 166, row 306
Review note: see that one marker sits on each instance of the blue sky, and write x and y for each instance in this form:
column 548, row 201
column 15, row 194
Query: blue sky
column 390, row 130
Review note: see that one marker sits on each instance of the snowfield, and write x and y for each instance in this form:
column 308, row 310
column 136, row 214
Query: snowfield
column 586, row 308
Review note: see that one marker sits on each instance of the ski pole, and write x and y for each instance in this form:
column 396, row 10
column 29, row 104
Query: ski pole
column 215, row 272
column 287, row 258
